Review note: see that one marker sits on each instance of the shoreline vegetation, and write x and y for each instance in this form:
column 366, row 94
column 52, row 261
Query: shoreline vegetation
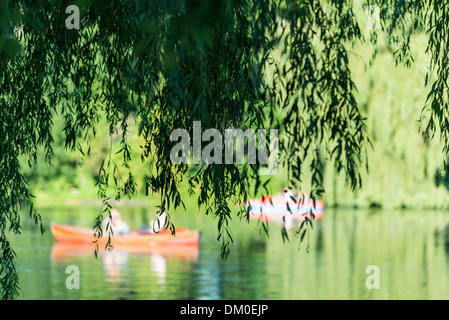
column 403, row 166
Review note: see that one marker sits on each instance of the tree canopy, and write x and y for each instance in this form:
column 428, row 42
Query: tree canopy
column 165, row 64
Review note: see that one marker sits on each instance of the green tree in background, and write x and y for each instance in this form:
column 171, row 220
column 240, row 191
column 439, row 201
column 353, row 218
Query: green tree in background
column 166, row 64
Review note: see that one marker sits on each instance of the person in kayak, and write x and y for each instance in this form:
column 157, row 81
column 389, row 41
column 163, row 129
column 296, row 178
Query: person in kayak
column 119, row 227
column 160, row 223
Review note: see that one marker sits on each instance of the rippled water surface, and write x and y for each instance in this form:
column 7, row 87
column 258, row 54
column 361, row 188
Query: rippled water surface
column 411, row 250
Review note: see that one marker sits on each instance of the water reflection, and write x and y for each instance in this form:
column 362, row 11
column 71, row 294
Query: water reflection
column 410, row 249
column 115, row 261
column 446, row 240
column 158, row 264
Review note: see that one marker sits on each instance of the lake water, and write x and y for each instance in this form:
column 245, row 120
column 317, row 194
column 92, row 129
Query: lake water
column 409, row 248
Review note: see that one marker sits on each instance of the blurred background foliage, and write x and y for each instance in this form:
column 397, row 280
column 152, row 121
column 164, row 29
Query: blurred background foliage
column 74, row 173
column 403, row 165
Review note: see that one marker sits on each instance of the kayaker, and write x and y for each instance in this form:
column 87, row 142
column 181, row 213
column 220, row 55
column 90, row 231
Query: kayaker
column 160, row 223
column 119, row 227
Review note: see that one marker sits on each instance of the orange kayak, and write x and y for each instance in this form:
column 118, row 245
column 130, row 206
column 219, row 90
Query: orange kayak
column 74, row 234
